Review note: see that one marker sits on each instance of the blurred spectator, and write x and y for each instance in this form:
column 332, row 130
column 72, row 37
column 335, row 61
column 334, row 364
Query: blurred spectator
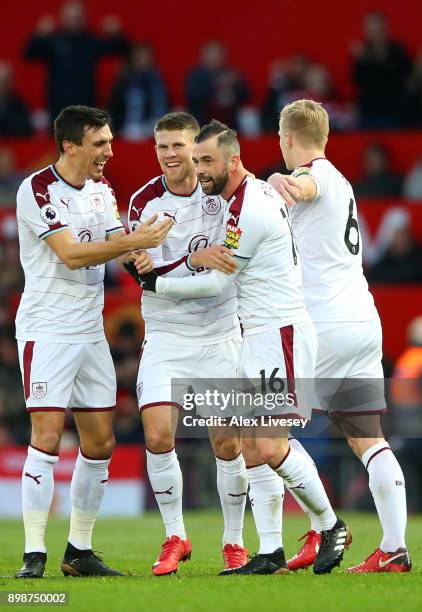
column 400, row 259
column 406, row 386
column 11, row 273
column 412, row 185
column 10, row 179
column 286, row 80
column 296, row 79
column 319, row 87
column 71, row 53
column 214, row 89
column 381, row 67
column 378, row 180
column 14, row 116
column 406, row 399
column 139, row 97
column 269, row 170
column 127, row 426
column 413, row 94
column 12, row 404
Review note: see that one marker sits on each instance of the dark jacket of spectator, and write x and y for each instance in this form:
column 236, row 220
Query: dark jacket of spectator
column 381, row 68
column 286, row 79
column 215, row 90
column 71, row 53
column 378, row 179
column 139, row 97
column 402, row 261
column 14, row 116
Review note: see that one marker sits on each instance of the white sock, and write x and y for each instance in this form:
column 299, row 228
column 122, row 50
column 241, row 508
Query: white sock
column 314, row 518
column 232, row 485
column 300, row 474
column 266, row 493
column 86, row 492
column 387, row 485
column 37, row 494
column 166, row 480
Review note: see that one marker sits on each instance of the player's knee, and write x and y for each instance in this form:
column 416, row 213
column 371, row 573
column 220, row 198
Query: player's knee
column 226, row 448
column 47, row 441
column 101, row 448
column 272, row 453
column 159, row 441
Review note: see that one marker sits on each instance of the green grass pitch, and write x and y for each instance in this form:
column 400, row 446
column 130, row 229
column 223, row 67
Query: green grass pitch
column 132, row 545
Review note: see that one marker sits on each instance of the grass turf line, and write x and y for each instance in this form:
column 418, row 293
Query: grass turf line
column 131, row 545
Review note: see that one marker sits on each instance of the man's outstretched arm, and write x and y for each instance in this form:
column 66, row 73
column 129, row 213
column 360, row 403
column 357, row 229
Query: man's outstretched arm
column 204, row 285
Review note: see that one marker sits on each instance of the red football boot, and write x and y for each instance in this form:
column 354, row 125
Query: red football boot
column 172, row 551
column 381, row 561
column 234, row 556
column 307, row 554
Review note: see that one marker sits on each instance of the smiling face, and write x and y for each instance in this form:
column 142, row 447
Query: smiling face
column 174, row 154
column 211, row 166
column 90, row 157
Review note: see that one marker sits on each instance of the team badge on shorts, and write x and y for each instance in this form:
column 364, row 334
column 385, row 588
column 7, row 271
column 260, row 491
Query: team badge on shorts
column 50, row 214
column 39, row 389
column 233, row 234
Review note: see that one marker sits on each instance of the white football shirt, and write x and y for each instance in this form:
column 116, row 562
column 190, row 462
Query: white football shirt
column 59, row 304
column 268, row 277
column 198, row 224
column 330, row 246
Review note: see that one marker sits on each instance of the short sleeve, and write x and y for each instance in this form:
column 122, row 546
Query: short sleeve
column 319, row 176
column 245, row 232
column 37, row 208
column 113, row 221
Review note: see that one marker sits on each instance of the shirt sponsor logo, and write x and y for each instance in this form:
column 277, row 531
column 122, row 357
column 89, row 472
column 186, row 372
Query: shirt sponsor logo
column 85, row 236
column 211, row 206
column 198, row 242
column 50, row 214
column 39, row 389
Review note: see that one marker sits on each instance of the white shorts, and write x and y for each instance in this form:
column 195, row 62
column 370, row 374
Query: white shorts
column 349, row 371
column 160, row 363
column 57, row 376
column 288, row 353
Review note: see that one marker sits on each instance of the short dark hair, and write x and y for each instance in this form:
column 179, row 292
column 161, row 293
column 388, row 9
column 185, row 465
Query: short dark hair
column 73, row 121
column 177, row 121
column 226, row 136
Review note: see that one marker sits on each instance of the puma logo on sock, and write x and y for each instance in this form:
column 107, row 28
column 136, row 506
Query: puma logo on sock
column 167, row 492
column 237, row 494
column 299, row 486
column 34, row 477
